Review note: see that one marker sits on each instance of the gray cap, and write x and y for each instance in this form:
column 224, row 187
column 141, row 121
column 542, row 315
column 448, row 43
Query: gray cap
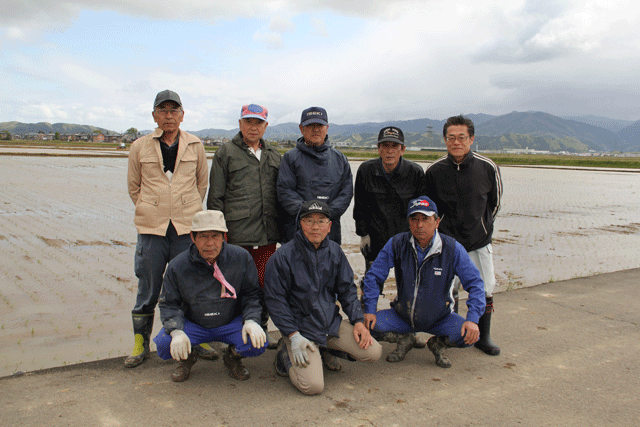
column 167, row 95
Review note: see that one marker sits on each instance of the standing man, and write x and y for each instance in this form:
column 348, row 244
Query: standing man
column 210, row 293
column 425, row 263
column 314, row 170
column 302, row 282
column 167, row 181
column 383, row 189
column 467, row 188
column 243, row 186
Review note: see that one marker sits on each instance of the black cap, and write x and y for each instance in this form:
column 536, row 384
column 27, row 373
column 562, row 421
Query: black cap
column 314, row 115
column 391, row 134
column 314, row 206
column 167, row 95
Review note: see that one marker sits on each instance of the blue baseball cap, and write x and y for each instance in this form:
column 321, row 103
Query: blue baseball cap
column 314, row 115
column 423, row 205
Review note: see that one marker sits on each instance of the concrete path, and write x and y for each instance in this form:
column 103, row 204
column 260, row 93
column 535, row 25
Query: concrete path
column 569, row 358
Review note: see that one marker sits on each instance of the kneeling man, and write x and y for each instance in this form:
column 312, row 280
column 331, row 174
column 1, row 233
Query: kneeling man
column 210, row 293
column 302, row 280
column 425, row 263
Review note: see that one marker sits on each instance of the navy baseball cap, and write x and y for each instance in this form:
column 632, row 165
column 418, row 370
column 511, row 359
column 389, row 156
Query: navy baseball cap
column 423, row 205
column 167, row 95
column 314, row 115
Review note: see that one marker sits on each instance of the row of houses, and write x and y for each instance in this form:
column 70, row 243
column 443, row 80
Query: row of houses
column 84, row 137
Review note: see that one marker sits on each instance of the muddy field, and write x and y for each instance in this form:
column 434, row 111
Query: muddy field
column 67, row 240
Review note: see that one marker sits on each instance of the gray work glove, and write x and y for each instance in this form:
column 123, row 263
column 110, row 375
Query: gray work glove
column 299, row 345
column 255, row 332
column 365, row 245
column 180, row 345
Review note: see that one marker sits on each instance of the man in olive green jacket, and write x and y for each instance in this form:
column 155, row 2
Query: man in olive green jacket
column 243, row 186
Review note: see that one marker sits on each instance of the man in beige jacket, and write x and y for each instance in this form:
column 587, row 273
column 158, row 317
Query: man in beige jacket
column 167, row 180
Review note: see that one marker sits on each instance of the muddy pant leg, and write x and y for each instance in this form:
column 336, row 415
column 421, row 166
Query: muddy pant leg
column 389, row 321
column 347, row 343
column 310, row 379
column 449, row 326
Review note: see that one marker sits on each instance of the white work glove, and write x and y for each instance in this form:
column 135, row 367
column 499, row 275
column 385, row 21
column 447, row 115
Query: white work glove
column 365, row 245
column 180, row 345
column 255, row 332
column 299, row 345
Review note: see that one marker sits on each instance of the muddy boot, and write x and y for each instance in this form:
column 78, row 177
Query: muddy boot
column 420, row 342
column 142, row 326
column 330, row 361
column 233, row 361
column 205, row 351
column 455, row 305
column 282, row 363
column 405, row 343
column 183, row 369
column 484, row 324
column 437, row 346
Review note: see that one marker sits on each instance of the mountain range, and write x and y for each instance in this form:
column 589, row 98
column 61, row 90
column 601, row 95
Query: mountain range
column 515, row 130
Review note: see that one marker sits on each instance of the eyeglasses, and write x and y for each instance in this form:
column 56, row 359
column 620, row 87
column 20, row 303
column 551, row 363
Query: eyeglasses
column 173, row 111
column 309, row 221
column 461, row 138
column 389, row 145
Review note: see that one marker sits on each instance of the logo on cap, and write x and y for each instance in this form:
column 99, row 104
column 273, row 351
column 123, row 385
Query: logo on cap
column 391, row 132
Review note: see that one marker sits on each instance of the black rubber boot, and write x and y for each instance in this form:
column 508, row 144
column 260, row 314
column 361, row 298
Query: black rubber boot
column 183, row 369
column 484, row 324
column 142, row 326
column 437, row 346
column 282, row 363
column 205, row 351
column 404, row 344
column 233, row 361
column 456, row 300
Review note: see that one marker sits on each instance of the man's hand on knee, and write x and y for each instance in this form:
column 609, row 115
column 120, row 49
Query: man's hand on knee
column 470, row 332
column 362, row 335
column 370, row 321
column 299, row 345
column 180, row 345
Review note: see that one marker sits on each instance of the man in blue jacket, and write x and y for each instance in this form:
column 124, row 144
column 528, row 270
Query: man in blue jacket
column 302, row 281
column 313, row 169
column 429, row 259
column 210, row 293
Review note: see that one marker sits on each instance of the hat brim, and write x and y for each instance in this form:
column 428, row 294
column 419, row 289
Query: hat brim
column 253, row 116
column 220, row 229
column 388, row 139
column 426, row 213
column 311, row 121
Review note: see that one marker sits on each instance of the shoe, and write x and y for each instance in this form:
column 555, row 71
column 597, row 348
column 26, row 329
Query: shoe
column 330, row 361
column 205, row 351
column 405, row 344
column 437, row 346
column 282, row 363
column 142, row 326
column 233, row 361
column 183, row 369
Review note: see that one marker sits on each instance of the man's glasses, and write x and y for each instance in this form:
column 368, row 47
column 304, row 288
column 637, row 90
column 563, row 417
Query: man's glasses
column 309, row 221
column 461, row 138
column 173, row 111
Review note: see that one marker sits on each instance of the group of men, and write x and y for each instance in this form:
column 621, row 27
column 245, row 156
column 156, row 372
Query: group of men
column 216, row 274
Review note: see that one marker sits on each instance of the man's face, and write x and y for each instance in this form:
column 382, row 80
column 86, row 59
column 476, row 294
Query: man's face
column 314, row 134
column 423, row 227
column 458, row 141
column 315, row 228
column 168, row 116
column 390, row 153
column 252, row 129
column 209, row 244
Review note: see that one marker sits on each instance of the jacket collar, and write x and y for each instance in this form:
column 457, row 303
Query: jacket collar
column 434, row 249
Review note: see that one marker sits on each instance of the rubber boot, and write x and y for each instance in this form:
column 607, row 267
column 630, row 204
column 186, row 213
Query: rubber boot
column 404, row 344
column 233, row 361
column 455, row 305
column 183, row 370
column 484, row 324
column 282, row 363
column 142, row 326
column 205, row 351
column 437, row 346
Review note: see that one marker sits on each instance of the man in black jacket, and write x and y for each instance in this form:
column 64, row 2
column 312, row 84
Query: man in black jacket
column 210, row 293
column 467, row 188
column 383, row 189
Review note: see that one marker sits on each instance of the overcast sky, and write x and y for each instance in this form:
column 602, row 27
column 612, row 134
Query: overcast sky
column 101, row 62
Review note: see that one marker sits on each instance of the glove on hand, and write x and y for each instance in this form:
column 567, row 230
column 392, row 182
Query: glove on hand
column 299, row 345
column 365, row 245
column 180, row 345
column 255, row 332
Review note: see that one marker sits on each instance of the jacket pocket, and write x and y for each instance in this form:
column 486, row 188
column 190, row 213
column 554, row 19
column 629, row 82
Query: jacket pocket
column 189, row 198
column 148, row 198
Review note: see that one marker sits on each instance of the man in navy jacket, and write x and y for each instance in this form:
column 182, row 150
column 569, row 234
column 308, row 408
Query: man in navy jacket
column 302, row 281
column 431, row 260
